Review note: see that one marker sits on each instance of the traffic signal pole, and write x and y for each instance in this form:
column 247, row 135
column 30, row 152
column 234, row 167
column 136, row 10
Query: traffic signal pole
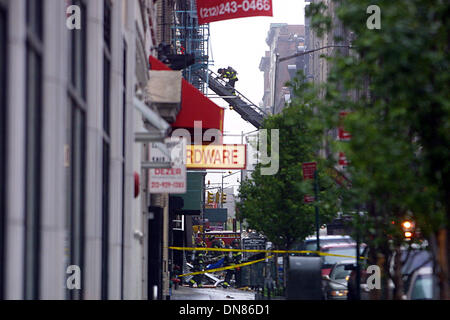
column 316, row 199
column 358, row 264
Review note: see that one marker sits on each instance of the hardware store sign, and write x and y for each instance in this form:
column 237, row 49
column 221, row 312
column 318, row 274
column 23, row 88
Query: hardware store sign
column 227, row 156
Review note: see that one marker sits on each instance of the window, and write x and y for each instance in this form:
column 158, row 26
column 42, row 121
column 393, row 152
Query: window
column 423, row 288
column 34, row 66
column 3, row 134
column 339, row 272
column 106, row 144
column 76, row 149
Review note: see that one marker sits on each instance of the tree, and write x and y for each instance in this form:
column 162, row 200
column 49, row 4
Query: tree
column 273, row 204
column 400, row 149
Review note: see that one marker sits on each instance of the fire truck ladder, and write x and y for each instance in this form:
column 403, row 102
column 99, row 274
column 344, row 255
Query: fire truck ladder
column 247, row 109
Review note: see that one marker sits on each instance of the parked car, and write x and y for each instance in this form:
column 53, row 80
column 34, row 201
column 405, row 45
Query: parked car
column 423, row 285
column 310, row 243
column 338, row 253
column 335, row 284
column 413, row 259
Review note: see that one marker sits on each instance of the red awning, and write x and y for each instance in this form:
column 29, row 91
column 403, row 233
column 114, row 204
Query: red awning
column 194, row 105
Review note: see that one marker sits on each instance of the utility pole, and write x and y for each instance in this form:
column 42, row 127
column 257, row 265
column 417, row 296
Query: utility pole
column 358, row 262
column 221, row 191
column 203, row 207
column 274, row 96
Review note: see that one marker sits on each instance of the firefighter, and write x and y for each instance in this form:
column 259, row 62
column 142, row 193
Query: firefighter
column 199, row 265
column 233, row 258
column 230, row 74
column 216, row 255
column 200, row 243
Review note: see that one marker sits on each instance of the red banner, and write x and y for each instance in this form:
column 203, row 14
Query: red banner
column 342, row 159
column 308, row 170
column 342, row 134
column 218, row 10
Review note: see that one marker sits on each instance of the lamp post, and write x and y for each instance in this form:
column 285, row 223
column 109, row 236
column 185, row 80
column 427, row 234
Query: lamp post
column 223, row 177
column 299, row 54
column 275, row 78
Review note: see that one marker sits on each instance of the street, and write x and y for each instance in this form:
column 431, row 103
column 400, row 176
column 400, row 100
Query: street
column 186, row 293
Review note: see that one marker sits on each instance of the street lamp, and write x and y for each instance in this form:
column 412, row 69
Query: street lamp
column 299, row 54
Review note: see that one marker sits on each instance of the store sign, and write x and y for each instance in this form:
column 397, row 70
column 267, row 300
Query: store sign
column 218, row 10
column 252, row 244
column 171, row 180
column 227, row 156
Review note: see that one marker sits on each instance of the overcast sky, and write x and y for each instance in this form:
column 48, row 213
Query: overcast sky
column 241, row 43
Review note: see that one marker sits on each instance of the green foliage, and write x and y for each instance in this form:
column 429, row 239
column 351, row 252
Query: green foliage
column 273, row 204
column 396, row 86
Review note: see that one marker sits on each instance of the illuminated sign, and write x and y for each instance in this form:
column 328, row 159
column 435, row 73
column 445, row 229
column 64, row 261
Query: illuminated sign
column 228, row 156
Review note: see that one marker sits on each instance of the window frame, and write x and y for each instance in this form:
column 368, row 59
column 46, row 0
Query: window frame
column 35, row 15
column 77, row 124
column 124, row 145
column 4, row 14
column 106, row 149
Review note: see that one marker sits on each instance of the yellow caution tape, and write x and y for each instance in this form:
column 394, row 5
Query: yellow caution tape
column 262, row 251
column 224, row 268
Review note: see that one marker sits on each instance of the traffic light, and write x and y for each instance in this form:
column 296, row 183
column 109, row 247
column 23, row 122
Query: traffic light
column 210, row 197
column 408, row 229
column 217, row 197
column 224, row 198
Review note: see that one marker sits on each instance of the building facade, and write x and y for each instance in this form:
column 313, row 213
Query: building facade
column 337, row 40
column 283, row 40
column 77, row 121
column 69, row 163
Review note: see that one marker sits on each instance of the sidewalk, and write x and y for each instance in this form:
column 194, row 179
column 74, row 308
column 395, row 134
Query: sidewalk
column 187, row 293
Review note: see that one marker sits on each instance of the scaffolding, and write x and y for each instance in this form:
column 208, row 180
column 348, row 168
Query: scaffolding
column 191, row 38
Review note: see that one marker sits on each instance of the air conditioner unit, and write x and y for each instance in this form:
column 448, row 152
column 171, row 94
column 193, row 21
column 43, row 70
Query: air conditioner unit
column 164, row 93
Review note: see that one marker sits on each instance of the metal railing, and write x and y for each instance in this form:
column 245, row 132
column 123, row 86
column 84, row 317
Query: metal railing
column 240, row 95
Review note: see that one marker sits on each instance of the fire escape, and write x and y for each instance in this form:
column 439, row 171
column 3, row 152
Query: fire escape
column 191, row 38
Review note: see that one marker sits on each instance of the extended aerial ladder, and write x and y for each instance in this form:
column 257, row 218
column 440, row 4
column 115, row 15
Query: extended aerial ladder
column 247, row 109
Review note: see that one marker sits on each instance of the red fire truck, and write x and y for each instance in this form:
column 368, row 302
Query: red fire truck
column 226, row 236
